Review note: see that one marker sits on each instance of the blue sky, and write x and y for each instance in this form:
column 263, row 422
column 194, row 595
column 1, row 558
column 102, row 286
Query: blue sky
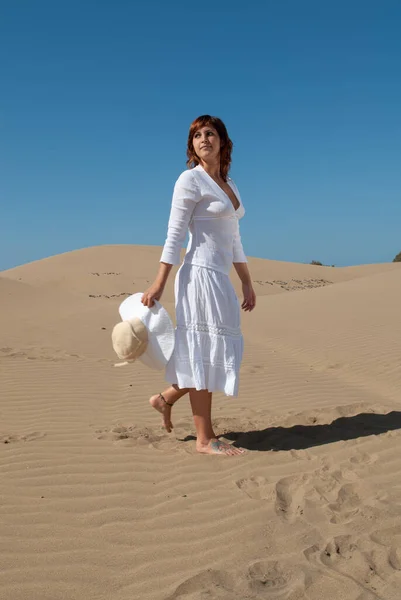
column 97, row 98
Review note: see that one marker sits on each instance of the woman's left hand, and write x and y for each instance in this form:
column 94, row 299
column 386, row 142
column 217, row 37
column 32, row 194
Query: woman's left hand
column 249, row 302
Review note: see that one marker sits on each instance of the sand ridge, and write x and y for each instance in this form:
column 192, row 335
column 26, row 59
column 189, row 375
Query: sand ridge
column 98, row 502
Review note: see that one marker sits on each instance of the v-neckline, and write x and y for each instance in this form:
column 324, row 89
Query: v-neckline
column 225, row 193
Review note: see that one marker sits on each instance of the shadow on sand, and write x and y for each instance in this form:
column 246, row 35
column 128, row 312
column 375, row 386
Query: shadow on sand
column 300, row 437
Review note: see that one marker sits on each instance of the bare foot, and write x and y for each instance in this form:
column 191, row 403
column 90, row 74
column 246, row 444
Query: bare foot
column 216, row 446
column 165, row 409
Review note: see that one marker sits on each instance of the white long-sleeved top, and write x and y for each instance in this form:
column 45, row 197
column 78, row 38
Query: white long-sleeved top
column 200, row 205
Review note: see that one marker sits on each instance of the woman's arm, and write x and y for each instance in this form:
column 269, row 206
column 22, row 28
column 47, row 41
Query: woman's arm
column 155, row 291
column 243, row 272
column 186, row 195
column 249, row 301
column 240, row 264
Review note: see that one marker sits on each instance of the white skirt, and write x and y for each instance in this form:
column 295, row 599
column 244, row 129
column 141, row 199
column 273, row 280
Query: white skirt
column 208, row 340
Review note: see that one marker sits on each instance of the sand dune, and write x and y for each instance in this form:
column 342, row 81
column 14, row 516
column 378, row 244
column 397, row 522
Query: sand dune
column 97, row 502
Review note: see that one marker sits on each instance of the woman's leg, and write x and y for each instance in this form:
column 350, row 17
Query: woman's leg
column 206, row 441
column 170, row 395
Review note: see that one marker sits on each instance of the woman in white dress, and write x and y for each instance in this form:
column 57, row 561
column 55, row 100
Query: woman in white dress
column 208, row 340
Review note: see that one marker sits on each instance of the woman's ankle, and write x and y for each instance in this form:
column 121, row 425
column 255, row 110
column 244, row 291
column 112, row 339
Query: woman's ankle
column 167, row 399
column 205, row 440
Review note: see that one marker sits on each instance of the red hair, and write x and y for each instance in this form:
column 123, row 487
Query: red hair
column 226, row 143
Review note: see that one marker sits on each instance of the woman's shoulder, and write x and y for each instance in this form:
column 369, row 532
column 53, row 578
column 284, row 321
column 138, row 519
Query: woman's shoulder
column 187, row 177
column 190, row 179
column 188, row 184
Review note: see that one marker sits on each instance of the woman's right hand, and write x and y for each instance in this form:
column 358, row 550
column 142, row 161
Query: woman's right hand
column 154, row 292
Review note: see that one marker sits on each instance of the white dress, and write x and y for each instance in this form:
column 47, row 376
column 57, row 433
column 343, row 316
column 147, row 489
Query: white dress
column 208, row 340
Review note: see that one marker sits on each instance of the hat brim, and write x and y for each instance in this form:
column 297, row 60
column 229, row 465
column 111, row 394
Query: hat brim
column 161, row 335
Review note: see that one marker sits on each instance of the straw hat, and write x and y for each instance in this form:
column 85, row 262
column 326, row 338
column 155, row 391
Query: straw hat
column 145, row 333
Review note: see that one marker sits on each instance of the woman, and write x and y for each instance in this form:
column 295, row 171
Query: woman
column 208, row 341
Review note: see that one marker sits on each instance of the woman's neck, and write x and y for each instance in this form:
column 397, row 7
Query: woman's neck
column 212, row 169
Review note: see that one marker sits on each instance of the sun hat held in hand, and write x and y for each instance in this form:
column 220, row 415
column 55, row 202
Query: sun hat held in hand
column 145, row 333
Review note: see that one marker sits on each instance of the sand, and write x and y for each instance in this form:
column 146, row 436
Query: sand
column 97, row 501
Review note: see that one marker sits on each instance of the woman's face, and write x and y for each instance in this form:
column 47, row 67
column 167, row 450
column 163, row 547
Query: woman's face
column 206, row 142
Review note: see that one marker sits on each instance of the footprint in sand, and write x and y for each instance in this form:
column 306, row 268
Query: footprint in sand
column 301, row 454
column 256, row 368
column 6, row 350
column 273, row 579
column 9, row 438
column 395, row 558
column 390, row 538
column 210, row 584
column 135, row 435
column 363, row 458
column 348, row 503
column 290, row 497
column 338, row 493
column 257, row 488
column 264, row 579
column 288, row 493
column 366, row 566
column 38, row 353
